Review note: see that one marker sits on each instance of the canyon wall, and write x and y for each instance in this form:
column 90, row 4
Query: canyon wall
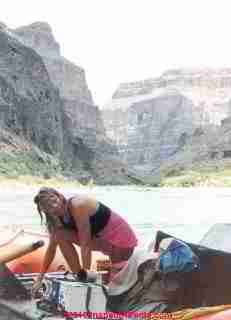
column 151, row 120
column 45, row 99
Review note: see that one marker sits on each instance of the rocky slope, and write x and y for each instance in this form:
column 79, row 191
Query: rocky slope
column 45, row 99
column 176, row 121
column 208, row 149
column 65, row 75
column 151, row 121
column 29, row 103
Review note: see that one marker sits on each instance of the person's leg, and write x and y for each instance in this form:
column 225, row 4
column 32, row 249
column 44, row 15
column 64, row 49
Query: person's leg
column 120, row 254
column 119, row 258
column 65, row 240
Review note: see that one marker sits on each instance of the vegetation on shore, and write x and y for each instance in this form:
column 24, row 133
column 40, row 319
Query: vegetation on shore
column 37, row 168
column 213, row 177
column 34, row 168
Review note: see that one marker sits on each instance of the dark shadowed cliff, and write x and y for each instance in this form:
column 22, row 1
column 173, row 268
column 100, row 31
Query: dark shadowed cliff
column 44, row 100
column 176, row 122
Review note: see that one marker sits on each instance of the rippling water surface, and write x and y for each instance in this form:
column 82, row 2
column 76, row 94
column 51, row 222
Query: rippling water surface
column 184, row 212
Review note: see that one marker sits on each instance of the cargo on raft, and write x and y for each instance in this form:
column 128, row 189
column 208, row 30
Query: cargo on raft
column 200, row 294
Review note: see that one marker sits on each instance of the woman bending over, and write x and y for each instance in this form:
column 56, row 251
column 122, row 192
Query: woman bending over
column 88, row 223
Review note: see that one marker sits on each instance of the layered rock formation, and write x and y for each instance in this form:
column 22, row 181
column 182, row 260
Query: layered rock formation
column 209, row 148
column 45, row 99
column 29, row 103
column 65, row 75
column 177, row 120
column 151, row 120
column 82, row 115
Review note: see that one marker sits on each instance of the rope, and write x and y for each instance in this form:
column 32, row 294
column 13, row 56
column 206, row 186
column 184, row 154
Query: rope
column 189, row 314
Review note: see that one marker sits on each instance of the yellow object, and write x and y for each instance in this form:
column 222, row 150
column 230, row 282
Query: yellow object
column 190, row 314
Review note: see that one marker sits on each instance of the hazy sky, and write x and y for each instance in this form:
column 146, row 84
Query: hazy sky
column 127, row 40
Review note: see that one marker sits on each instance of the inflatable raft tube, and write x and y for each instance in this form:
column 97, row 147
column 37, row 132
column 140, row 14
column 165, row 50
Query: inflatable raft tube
column 32, row 261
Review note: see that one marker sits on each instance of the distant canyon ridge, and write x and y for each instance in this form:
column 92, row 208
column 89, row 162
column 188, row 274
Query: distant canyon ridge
column 178, row 121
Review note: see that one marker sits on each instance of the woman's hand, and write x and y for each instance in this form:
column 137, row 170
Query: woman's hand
column 37, row 284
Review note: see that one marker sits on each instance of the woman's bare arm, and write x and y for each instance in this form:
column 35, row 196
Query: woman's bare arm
column 48, row 258
column 85, row 240
column 49, row 255
column 81, row 217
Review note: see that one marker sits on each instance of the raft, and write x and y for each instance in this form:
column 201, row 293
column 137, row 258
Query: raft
column 206, row 288
column 31, row 262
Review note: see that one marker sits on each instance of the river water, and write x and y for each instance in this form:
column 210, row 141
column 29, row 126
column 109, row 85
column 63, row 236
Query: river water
column 187, row 213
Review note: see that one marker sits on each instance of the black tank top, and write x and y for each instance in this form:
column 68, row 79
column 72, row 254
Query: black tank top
column 97, row 221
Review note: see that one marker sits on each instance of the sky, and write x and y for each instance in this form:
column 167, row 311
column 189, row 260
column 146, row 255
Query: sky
column 118, row 41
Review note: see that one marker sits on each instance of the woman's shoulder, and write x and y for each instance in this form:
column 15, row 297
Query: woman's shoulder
column 82, row 201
